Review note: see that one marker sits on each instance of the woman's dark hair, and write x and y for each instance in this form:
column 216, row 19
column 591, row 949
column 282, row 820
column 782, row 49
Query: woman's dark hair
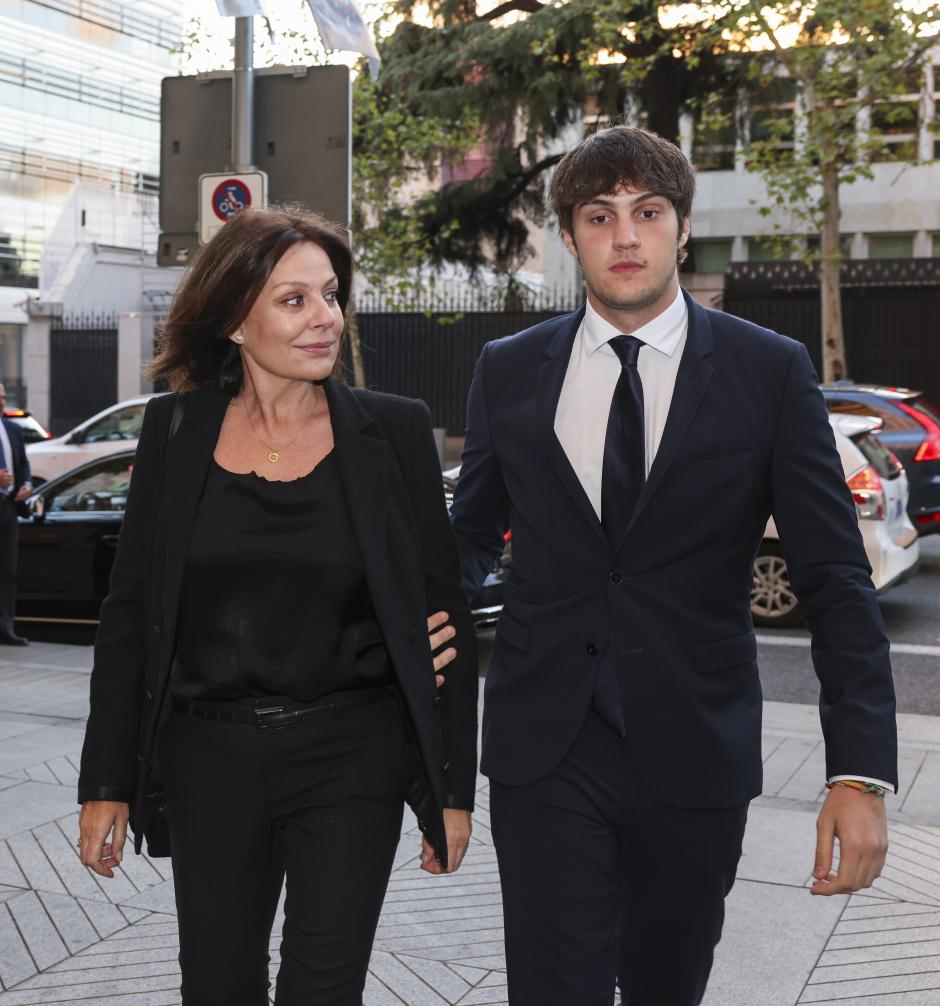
column 616, row 157
column 223, row 282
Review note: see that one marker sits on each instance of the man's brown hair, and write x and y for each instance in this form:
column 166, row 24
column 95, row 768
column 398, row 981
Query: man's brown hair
column 616, row 157
column 223, row 282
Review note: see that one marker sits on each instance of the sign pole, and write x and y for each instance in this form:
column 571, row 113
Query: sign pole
column 243, row 95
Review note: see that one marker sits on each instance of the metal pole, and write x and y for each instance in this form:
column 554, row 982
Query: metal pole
column 243, row 95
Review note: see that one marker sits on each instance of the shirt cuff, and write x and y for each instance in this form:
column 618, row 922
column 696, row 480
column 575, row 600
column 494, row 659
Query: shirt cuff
column 890, row 787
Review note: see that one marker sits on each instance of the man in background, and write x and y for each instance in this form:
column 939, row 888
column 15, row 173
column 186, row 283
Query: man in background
column 15, row 485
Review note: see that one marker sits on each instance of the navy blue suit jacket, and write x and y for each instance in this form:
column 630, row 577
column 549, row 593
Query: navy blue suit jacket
column 19, row 463
column 747, row 436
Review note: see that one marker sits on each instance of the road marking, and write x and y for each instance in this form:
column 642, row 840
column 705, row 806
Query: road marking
column 913, row 648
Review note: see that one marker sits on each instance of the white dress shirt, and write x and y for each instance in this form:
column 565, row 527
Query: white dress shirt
column 593, row 372
column 592, row 375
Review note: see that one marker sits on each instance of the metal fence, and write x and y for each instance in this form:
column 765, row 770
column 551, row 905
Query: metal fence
column 83, row 369
column 890, row 312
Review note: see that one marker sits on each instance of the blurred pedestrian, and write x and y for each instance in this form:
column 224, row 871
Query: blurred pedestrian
column 637, row 448
column 264, row 653
column 15, row 485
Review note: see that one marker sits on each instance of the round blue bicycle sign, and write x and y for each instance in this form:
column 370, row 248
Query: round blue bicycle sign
column 230, row 197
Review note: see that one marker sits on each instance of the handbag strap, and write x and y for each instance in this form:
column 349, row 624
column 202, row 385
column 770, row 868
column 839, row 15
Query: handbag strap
column 179, row 410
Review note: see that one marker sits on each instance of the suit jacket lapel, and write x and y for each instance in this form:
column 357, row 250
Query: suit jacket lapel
column 363, row 464
column 186, row 464
column 691, row 383
column 551, row 377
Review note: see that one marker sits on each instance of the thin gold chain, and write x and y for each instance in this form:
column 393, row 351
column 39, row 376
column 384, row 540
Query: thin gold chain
column 274, row 453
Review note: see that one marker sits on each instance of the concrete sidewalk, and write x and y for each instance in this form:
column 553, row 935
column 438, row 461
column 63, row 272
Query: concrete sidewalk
column 66, row 936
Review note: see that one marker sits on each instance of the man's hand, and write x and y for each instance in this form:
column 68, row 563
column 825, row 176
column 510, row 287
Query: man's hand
column 98, row 820
column 860, row 823
column 457, row 825
column 440, row 632
column 24, row 490
column 6, row 478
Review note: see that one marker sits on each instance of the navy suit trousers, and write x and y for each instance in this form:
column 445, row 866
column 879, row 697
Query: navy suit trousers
column 601, row 879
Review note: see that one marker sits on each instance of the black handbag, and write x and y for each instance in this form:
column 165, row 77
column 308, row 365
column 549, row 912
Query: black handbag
column 156, row 827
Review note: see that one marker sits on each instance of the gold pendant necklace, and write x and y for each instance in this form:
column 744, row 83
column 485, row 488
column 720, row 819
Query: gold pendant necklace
column 273, row 454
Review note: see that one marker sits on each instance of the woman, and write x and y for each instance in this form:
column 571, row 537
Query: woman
column 264, row 651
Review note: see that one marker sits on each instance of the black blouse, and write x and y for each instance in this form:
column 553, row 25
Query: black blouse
column 274, row 598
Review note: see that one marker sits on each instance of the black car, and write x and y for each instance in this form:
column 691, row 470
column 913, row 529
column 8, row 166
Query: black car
column 68, row 536
column 910, row 430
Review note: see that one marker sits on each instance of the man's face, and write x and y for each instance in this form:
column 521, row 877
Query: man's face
column 3, row 398
column 627, row 243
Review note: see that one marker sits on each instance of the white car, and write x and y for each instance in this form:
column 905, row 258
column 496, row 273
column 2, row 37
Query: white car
column 111, row 430
column 878, row 484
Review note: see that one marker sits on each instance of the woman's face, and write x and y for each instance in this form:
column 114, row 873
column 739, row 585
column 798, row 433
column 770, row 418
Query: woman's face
column 293, row 329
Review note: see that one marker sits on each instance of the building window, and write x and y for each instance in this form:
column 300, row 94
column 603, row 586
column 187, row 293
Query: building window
column 767, row 250
column 890, row 245
column 895, row 121
column 713, row 137
column 711, row 255
column 773, row 114
column 936, row 246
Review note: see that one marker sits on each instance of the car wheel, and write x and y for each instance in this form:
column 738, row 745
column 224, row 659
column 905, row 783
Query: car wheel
column 773, row 603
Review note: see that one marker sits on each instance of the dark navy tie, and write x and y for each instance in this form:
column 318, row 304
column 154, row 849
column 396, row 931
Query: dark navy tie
column 624, row 471
column 623, row 477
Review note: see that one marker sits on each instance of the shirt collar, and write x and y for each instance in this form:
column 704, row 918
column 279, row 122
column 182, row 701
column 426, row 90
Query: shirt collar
column 663, row 333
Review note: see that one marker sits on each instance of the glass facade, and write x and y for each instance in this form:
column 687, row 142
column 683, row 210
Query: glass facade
column 80, row 101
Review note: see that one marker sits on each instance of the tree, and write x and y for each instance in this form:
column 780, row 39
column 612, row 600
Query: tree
column 849, row 58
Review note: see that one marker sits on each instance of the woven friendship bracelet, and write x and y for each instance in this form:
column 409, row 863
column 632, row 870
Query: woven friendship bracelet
column 859, row 786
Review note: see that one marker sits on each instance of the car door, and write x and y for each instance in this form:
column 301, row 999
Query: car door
column 68, row 542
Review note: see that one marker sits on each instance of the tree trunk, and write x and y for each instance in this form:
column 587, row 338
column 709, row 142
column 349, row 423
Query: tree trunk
column 830, row 291
column 355, row 346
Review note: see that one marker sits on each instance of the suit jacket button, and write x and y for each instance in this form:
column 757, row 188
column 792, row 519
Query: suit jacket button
column 148, row 695
column 437, row 702
column 445, row 766
column 412, row 637
column 591, row 649
column 157, row 630
column 616, row 577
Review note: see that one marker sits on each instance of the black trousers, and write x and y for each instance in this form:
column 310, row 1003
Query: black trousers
column 9, row 539
column 601, row 879
column 319, row 800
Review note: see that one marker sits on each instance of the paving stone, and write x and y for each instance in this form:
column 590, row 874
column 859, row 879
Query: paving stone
column 785, row 762
column 922, row 796
column 16, row 964
column 70, row 921
column 783, row 928
column 872, row 988
column 37, row 930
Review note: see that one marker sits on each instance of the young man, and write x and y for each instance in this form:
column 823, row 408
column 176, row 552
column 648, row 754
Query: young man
column 637, row 448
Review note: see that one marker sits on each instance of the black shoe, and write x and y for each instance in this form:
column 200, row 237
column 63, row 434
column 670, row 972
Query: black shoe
column 12, row 639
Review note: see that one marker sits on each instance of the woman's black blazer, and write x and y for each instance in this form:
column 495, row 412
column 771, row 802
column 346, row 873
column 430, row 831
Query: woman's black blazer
column 392, row 479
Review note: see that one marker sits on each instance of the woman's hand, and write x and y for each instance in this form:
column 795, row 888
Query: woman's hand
column 98, row 820
column 458, row 825
column 439, row 632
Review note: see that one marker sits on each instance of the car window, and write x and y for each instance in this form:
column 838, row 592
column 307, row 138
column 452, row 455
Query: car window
column 882, row 460
column 892, row 420
column 927, row 409
column 122, row 424
column 101, row 488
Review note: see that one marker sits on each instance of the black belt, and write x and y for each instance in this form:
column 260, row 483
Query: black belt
column 277, row 713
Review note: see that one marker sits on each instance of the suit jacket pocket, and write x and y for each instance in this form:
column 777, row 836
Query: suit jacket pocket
column 726, row 653
column 513, row 632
